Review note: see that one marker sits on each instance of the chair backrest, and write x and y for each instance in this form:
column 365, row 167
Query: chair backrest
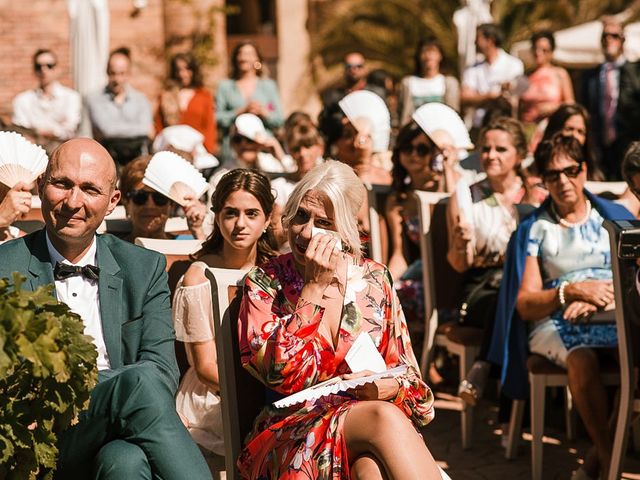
column 613, row 188
column 623, row 264
column 118, row 223
column 441, row 283
column 176, row 225
column 173, row 250
column 376, row 199
column 242, row 396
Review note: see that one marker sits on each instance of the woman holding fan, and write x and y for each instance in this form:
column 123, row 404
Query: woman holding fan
column 149, row 209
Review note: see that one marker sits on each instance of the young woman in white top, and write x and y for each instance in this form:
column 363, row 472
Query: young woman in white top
column 427, row 84
column 241, row 238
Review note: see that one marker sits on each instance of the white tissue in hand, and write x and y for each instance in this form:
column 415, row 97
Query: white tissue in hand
column 317, row 231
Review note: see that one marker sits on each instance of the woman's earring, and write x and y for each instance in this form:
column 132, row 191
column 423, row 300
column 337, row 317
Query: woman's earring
column 257, row 65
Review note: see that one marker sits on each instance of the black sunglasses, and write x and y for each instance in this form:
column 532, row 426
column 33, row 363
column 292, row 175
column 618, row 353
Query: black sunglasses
column 614, row 36
column 353, row 66
column 421, row 149
column 139, row 197
column 554, row 175
column 40, row 66
column 240, row 138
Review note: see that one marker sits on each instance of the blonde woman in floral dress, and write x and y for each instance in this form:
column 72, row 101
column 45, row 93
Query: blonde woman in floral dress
column 299, row 316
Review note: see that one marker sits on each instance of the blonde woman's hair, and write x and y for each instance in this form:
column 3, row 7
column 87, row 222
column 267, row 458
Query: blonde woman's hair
column 346, row 193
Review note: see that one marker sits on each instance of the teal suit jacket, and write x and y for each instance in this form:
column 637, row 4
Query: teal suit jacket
column 134, row 299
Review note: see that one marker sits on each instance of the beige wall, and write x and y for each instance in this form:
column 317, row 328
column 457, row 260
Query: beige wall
column 294, row 69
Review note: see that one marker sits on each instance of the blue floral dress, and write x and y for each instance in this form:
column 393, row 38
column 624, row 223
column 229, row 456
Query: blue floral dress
column 570, row 254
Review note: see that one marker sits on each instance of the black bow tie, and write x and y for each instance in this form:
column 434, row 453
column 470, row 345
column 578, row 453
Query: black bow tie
column 62, row 271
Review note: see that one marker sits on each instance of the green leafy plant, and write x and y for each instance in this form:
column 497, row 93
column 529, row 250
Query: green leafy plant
column 47, row 372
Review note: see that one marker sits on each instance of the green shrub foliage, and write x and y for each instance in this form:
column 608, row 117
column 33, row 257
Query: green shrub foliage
column 47, row 372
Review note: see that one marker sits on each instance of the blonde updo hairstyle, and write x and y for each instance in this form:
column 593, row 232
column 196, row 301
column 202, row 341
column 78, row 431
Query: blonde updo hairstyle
column 345, row 191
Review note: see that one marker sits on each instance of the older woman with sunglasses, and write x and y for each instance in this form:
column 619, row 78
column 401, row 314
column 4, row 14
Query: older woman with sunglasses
column 558, row 273
column 149, row 210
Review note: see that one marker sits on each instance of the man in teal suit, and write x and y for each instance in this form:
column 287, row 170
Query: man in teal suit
column 131, row 429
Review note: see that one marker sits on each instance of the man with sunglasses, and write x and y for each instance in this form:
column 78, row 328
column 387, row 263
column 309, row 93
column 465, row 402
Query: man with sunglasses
column 130, row 429
column 51, row 110
column 354, row 79
column 601, row 93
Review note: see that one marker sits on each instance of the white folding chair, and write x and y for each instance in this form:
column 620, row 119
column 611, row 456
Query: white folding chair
column 236, row 388
column 176, row 225
column 598, row 188
column 426, row 202
column 173, row 250
column 623, row 268
column 376, row 240
column 460, row 346
column 543, row 374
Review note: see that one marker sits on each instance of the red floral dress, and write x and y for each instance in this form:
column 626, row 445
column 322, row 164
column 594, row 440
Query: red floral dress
column 281, row 346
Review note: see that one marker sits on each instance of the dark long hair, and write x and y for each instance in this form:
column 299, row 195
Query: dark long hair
column 399, row 174
column 430, row 41
column 235, row 73
column 257, row 185
column 192, row 64
column 556, row 124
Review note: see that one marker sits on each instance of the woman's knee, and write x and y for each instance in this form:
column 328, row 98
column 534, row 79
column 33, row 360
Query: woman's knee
column 380, row 421
column 121, row 459
column 583, row 361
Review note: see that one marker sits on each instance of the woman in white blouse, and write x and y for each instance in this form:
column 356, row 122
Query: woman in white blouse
column 241, row 238
column 427, row 84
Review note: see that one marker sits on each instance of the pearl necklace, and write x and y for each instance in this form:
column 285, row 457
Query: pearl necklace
column 568, row 224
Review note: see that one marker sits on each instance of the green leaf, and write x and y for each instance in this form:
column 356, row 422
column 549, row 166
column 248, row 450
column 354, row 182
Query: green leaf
column 47, row 372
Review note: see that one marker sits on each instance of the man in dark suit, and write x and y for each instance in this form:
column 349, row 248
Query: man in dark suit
column 629, row 105
column 601, row 92
column 131, row 429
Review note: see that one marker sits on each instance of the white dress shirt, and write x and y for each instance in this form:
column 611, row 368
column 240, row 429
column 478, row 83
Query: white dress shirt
column 81, row 295
column 59, row 114
column 485, row 77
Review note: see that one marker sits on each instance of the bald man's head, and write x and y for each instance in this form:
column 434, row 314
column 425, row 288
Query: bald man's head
column 86, row 147
column 77, row 190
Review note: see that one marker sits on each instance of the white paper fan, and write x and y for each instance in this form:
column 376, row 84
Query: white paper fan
column 435, row 116
column 174, row 177
column 20, row 160
column 366, row 104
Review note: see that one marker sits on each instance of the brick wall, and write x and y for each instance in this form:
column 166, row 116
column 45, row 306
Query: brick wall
column 26, row 26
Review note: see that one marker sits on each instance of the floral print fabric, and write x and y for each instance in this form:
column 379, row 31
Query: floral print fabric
column 280, row 344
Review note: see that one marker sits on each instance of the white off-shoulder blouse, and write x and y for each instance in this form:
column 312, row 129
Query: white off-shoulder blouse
column 195, row 401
